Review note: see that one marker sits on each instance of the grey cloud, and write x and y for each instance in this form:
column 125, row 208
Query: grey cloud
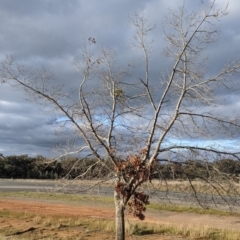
column 50, row 33
column 23, row 126
column 54, row 29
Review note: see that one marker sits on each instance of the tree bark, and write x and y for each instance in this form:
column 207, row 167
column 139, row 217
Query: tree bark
column 119, row 218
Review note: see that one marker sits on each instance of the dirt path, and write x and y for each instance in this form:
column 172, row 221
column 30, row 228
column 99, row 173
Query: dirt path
column 104, row 211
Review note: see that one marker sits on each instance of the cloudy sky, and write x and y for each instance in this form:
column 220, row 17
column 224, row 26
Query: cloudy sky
column 51, row 32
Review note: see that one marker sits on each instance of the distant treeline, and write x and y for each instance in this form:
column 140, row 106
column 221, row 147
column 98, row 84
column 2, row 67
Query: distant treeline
column 25, row 167
column 39, row 167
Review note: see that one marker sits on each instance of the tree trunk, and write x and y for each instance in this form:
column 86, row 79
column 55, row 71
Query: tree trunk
column 119, row 218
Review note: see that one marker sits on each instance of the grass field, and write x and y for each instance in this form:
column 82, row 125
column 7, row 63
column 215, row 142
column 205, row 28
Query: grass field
column 49, row 223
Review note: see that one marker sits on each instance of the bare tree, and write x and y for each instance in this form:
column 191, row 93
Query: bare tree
column 136, row 124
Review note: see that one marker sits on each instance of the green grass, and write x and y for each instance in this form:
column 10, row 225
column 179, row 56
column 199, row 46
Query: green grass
column 190, row 209
column 51, row 196
column 9, row 214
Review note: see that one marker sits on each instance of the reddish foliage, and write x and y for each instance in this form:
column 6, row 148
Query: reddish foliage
column 134, row 172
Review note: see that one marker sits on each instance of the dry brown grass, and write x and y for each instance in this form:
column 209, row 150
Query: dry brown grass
column 53, row 227
column 225, row 188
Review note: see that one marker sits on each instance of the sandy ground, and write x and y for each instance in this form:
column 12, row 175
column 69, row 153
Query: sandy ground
column 89, row 210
